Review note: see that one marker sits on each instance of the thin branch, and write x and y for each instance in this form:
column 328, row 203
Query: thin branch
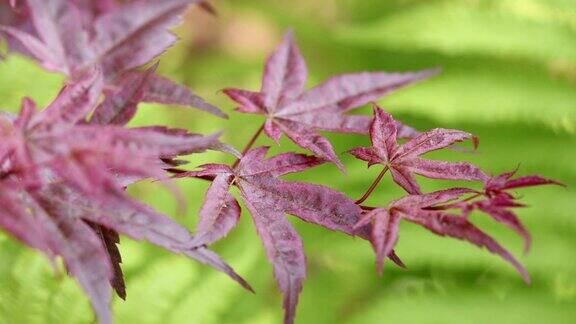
column 372, row 186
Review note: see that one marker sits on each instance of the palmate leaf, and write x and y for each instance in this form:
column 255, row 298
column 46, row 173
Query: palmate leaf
column 300, row 114
column 420, row 209
column 64, row 180
column 74, row 36
column 63, row 39
column 404, row 161
column 268, row 199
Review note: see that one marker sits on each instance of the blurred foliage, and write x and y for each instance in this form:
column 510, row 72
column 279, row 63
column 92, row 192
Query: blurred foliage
column 509, row 77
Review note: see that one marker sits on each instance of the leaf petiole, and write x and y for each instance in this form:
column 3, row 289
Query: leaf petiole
column 249, row 145
column 372, row 186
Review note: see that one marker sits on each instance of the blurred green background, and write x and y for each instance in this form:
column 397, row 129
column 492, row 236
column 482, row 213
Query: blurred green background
column 509, row 77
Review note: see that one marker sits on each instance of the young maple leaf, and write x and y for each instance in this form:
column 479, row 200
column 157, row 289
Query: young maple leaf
column 300, row 114
column 404, row 160
column 420, row 209
column 268, row 199
column 73, row 36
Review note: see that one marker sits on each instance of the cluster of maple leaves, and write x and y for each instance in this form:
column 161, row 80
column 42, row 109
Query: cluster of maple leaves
column 64, row 169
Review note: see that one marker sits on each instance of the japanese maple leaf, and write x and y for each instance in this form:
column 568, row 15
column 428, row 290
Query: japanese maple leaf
column 135, row 87
column 73, row 36
column 404, row 161
column 268, row 199
column 499, row 185
column 420, row 209
column 62, row 187
column 500, row 208
column 118, row 40
column 60, row 221
column 499, row 204
column 57, row 138
column 300, row 114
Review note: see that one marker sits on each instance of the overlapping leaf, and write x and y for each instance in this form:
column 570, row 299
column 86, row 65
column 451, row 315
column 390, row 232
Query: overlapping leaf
column 62, row 186
column 300, row 114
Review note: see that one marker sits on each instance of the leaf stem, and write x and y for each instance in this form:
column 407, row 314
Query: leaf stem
column 372, row 186
column 472, row 197
column 249, row 145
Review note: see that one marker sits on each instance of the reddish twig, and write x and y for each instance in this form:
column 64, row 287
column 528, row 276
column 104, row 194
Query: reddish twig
column 372, row 186
column 249, row 145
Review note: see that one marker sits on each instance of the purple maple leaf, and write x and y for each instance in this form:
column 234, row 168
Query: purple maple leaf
column 499, row 185
column 300, row 114
column 500, row 209
column 404, row 160
column 422, row 210
column 268, row 199
column 498, row 203
column 62, row 184
column 71, row 37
